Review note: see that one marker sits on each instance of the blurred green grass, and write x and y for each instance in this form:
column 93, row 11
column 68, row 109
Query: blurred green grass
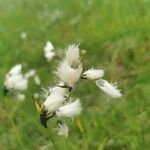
column 116, row 35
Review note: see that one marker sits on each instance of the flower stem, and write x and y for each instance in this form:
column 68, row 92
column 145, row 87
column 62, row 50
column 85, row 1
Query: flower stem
column 51, row 138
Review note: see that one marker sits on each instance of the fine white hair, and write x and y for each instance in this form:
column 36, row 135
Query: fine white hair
column 93, row 74
column 70, row 109
column 72, row 54
column 55, row 99
column 108, row 88
column 68, row 74
column 16, row 82
column 15, row 70
column 62, row 129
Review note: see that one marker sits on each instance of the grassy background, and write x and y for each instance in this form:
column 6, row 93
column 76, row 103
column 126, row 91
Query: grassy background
column 116, row 35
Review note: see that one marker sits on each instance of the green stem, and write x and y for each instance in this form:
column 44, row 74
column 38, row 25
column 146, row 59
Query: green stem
column 51, row 138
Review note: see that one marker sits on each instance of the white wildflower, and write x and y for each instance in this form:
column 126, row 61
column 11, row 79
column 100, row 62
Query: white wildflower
column 108, row 88
column 62, row 129
column 70, row 109
column 93, row 74
column 55, row 99
column 49, row 52
column 68, row 74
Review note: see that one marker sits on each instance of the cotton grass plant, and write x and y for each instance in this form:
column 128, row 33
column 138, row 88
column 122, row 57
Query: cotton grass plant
column 57, row 102
column 16, row 82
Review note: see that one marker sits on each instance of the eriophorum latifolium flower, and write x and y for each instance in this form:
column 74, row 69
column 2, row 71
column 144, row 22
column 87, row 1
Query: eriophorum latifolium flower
column 57, row 101
column 16, row 82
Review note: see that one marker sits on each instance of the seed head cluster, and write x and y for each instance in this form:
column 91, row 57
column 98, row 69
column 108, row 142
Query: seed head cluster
column 57, row 100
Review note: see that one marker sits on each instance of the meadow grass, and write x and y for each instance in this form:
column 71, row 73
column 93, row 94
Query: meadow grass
column 116, row 36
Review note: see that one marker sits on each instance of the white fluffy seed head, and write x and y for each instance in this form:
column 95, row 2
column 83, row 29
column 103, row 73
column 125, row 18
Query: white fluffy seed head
column 93, row 74
column 108, row 88
column 70, row 109
column 49, row 56
column 16, row 82
column 62, row 129
column 49, row 52
column 72, row 55
column 16, row 70
column 49, row 47
column 55, row 99
column 69, row 75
